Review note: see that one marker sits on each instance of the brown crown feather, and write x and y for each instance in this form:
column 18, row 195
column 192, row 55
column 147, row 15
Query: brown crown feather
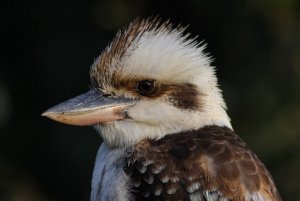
column 106, row 67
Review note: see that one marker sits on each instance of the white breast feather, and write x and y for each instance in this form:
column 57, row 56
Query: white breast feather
column 109, row 181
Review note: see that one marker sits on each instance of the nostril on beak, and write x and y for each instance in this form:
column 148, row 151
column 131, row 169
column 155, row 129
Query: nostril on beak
column 106, row 95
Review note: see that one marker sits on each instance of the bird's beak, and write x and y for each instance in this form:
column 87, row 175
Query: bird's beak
column 90, row 108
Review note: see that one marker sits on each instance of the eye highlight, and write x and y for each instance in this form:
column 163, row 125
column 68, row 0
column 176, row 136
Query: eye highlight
column 145, row 87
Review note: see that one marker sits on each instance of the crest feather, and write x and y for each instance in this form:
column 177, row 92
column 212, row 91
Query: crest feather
column 110, row 60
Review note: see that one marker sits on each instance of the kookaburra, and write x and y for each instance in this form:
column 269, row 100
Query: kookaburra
column 155, row 101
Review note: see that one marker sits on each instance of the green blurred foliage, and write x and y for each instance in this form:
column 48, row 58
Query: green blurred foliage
column 47, row 47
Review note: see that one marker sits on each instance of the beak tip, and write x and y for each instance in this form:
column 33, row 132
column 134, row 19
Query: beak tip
column 46, row 114
column 51, row 115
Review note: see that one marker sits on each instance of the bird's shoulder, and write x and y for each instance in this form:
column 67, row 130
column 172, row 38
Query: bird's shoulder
column 212, row 163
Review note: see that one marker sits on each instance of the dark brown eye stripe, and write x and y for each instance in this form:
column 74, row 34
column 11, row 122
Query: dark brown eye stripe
column 184, row 96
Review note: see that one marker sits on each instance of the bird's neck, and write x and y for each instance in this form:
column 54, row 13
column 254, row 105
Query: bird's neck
column 125, row 134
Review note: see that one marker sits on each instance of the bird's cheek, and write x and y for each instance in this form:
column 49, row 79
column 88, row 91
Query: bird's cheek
column 148, row 112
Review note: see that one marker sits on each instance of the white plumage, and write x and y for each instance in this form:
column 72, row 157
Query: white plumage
column 156, row 103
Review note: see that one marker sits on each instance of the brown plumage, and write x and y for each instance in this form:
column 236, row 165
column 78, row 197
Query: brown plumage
column 212, row 161
column 166, row 135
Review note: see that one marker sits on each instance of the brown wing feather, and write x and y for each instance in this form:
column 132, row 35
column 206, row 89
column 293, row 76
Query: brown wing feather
column 212, row 161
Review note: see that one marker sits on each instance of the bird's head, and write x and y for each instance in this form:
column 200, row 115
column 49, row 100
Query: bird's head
column 151, row 81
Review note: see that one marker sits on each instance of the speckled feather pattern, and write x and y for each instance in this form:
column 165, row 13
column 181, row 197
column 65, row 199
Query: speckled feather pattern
column 212, row 163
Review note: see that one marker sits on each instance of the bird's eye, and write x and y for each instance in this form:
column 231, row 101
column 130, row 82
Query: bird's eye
column 145, row 87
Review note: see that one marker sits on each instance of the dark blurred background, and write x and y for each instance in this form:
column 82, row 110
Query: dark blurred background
column 47, row 47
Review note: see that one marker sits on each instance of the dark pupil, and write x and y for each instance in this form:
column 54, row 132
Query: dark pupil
column 146, row 87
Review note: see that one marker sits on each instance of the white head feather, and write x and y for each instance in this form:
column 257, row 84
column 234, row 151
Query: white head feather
column 152, row 50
